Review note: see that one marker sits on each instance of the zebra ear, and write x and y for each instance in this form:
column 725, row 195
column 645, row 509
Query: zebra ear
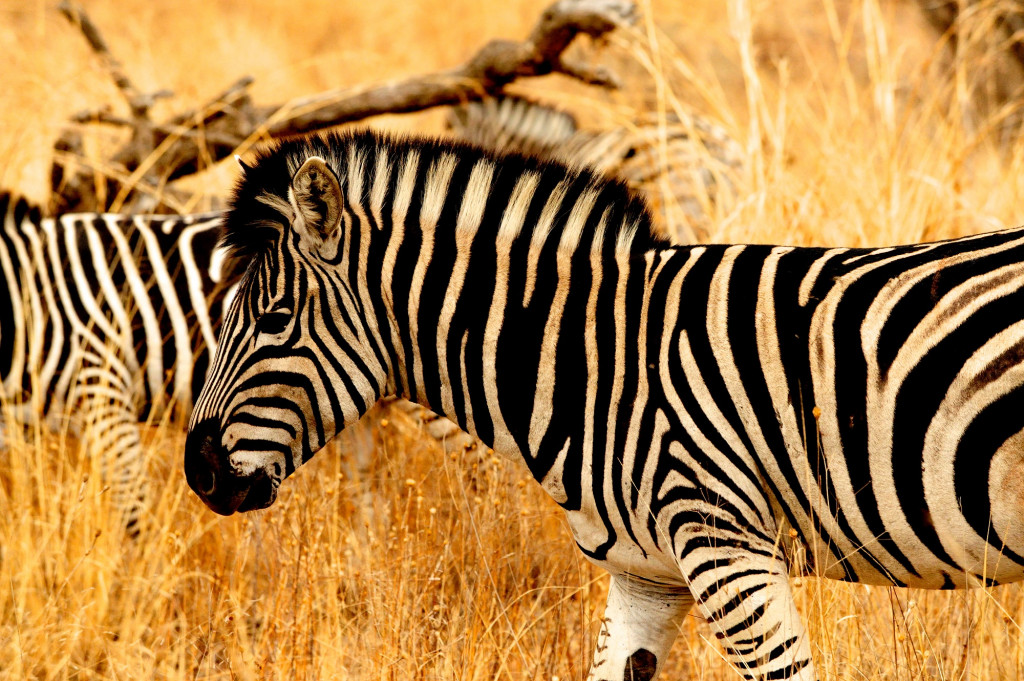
column 316, row 198
column 241, row 164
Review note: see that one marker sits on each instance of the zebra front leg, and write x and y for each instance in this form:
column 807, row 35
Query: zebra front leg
column 640, row 622
column 741, row 586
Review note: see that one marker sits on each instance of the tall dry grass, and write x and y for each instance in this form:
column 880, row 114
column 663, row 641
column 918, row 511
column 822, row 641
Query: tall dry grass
column 385, row 558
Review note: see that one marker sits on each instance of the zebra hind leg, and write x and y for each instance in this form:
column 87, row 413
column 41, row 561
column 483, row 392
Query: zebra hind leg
column 741, row 587
column 640, row 622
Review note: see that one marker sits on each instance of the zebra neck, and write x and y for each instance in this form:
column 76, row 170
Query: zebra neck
column 478, row 340
column 466, row 261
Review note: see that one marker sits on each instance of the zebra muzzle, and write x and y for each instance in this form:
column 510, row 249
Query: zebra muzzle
column 208, row 472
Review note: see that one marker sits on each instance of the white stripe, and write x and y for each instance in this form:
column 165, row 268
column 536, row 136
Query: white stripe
column 195, row 282
column 217, row 258
column 381, row 180
column 540, row 235
column 355, row 177
column 807, row 283
column 48, row 313
column 511, row 224
column 399, row 213
column 434, row 194
column 577, row 221
column 184, row 360
column 474, row 201
column 546, row 367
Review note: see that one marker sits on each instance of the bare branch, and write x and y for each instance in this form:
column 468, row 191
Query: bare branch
column 496, row 65
column 562, row 21
column 158, row 153
column 590, row 74
column 234, row 96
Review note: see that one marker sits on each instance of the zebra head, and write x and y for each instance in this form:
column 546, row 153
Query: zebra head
column 295, row 360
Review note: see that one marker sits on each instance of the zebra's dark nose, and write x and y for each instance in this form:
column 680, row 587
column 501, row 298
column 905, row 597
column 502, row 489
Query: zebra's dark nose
column 207, row 470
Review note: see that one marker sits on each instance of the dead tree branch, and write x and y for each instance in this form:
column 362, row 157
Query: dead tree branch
column 492, row 68
column 159, row 153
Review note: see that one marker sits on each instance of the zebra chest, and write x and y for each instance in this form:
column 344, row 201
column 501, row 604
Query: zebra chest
column 617, row 523
column 614, row 549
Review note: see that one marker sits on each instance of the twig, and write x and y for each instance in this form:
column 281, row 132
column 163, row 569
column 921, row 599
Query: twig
column 235, row 95
column 138, row 101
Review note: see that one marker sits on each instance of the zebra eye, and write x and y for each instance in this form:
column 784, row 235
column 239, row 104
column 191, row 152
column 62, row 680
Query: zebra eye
column 273, row 323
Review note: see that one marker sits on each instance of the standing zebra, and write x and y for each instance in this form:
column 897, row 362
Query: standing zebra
column 107, row 319
column 699, row 412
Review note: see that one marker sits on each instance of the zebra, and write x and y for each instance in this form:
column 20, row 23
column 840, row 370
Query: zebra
column 109, row 318
column 708, row 417
column 683, row 162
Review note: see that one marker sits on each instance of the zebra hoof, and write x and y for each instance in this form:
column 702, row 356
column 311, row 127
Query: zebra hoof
column 641, row 666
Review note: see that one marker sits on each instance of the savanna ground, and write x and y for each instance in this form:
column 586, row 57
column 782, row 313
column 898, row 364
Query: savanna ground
column 384, row 557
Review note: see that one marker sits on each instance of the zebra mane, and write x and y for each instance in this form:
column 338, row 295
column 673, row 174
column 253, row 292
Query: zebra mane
column 260, row 201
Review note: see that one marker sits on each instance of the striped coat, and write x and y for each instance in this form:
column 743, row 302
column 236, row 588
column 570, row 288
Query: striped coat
column 106, row 320
column 697, row 411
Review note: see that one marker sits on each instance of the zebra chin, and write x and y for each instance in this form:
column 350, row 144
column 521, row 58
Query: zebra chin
column 217, row 478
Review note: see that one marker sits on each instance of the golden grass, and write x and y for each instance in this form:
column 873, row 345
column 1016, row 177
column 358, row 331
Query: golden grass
column 384, row 558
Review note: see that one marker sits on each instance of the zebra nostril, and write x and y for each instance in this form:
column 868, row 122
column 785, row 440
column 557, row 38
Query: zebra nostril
column 207, row 482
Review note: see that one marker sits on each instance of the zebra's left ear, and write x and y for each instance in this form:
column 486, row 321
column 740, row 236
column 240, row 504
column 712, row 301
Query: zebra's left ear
column 316, row 198
column 241, row 164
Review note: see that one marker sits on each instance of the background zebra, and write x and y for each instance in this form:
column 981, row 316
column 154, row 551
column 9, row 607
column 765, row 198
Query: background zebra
column 106, row 320
column 119, row 331
column 684, row 163
column 699, row 412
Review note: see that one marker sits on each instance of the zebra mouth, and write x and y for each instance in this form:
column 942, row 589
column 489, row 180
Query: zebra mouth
column 262, row 492
column 220, row 483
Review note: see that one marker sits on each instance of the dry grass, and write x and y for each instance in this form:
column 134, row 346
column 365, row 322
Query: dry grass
column 384, row 558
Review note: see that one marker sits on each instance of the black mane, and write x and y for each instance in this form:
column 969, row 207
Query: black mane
column 271, row 171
